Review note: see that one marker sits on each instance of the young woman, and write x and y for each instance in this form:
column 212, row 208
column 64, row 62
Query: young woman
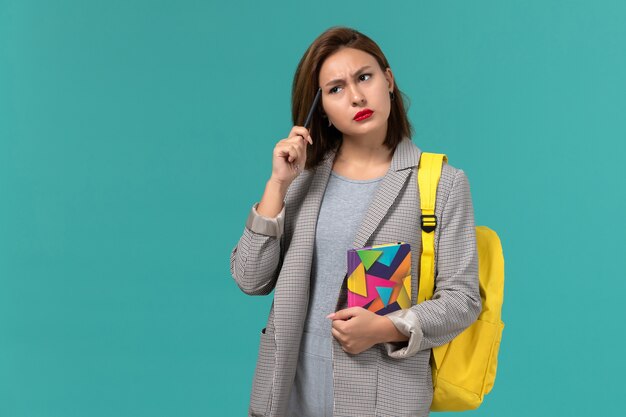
column 347, row 182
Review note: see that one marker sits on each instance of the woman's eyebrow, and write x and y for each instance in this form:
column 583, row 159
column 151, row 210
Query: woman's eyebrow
column 341, row 79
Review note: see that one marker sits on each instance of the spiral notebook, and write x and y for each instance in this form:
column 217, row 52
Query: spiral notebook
column 379, row 277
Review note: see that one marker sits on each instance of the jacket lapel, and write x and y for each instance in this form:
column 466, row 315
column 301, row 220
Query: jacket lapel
column 405, row 157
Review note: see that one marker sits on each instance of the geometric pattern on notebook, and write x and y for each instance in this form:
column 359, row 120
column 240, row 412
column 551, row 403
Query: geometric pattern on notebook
column 379, row 277
column 384, row 293
column 368, row 257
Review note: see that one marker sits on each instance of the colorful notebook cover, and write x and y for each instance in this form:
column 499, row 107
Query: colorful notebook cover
column 379, row 277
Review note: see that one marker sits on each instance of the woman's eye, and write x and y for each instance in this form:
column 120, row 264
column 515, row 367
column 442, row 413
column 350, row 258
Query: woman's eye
column 333, row 90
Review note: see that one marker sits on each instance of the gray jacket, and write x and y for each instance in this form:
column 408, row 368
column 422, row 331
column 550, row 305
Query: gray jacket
column 389, row 379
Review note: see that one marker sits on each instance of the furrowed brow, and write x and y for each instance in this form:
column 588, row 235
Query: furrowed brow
column 354, row 75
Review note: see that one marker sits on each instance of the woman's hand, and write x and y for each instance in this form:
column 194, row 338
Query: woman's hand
column 288, row 161
column 358, row 329
column 290, row 156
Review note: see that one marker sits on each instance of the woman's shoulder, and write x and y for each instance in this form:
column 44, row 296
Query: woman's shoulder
column 453, row 182
column 452, row 178
column 449, row 172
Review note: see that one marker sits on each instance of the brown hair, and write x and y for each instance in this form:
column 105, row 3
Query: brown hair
column 305, row 86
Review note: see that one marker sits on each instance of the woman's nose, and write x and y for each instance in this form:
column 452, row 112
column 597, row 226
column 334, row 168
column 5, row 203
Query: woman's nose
column 357, row 97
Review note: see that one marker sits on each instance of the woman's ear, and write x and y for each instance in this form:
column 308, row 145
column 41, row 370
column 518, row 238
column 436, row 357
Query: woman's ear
column 390, row 79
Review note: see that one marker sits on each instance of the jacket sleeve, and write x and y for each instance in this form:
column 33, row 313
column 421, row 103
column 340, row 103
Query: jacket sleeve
column 456, row 301
column 255, row 260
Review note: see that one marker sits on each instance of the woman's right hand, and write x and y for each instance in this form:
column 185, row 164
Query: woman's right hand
column 289, row 156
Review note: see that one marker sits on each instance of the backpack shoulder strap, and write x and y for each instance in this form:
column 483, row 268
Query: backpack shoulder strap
column 428, row 174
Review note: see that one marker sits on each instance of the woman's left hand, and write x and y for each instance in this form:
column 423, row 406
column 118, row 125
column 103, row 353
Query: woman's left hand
column 358, row 329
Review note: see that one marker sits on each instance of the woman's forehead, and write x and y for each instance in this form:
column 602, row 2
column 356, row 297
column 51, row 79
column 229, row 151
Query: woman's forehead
column 345, row 63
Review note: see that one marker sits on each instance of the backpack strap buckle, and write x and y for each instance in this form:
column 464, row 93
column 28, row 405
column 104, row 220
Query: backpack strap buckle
column 429, row 222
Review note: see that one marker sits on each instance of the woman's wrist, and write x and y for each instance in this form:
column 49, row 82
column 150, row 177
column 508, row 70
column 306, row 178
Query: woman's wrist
column 272, row 201
column 389, row 332
column 279, row 185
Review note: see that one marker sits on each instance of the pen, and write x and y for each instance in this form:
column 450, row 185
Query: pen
column 315, row 101
column 309, row 117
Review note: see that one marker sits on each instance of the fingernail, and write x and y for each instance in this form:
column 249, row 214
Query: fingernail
column 331, row 315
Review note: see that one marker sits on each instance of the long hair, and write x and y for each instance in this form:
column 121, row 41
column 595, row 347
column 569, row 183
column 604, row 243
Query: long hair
column 305, row 85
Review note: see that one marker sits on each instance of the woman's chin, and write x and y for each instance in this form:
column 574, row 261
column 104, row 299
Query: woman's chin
column 364, row 129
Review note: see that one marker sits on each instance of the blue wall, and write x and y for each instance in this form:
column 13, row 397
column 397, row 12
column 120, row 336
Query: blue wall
column 135, row 136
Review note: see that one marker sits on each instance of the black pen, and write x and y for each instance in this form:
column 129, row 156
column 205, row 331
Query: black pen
column 309, row 117
column 315, row 101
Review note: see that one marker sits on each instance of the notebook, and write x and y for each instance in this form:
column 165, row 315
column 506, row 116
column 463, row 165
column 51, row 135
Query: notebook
column 379, row 277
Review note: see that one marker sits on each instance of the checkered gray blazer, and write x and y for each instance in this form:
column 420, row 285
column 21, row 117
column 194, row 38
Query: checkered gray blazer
column 389, row 379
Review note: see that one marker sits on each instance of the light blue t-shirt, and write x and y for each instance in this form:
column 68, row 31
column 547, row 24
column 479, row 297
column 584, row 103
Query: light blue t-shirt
column 342, row 209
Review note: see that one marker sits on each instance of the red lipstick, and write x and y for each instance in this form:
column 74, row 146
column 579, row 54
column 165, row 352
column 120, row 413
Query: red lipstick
column 363, row 114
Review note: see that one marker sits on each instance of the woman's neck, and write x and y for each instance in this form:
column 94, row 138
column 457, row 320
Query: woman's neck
column 358, row 160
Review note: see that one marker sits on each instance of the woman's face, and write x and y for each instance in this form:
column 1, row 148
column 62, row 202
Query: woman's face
column 352, row 81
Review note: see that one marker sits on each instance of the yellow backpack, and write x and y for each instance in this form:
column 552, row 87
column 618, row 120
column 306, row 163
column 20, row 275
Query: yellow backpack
column 464, row 369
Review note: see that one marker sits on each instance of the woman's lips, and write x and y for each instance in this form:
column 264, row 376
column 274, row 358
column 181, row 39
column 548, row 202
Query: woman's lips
column 363, row 114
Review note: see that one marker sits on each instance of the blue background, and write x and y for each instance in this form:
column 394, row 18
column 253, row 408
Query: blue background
column 135, row 136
